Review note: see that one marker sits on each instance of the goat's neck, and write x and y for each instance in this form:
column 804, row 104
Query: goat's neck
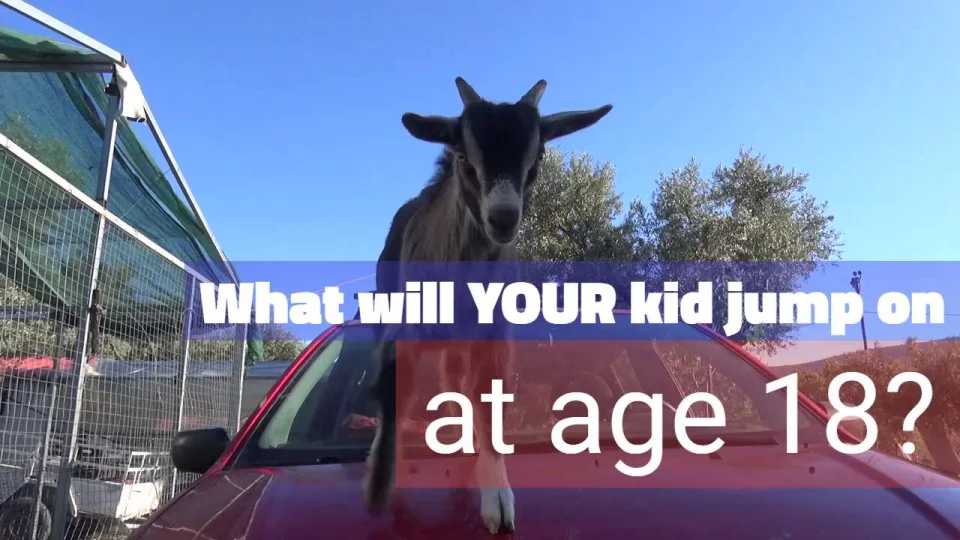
column 446, row 230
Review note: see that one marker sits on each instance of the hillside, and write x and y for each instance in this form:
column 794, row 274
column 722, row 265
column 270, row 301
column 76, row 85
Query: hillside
column 896, row 353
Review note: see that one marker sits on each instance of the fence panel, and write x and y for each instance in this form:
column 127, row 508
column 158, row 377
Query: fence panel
column 138, row 387
column 44, row 235
column 210, row 389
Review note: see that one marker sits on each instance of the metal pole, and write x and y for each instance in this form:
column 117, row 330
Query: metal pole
column 855, row 283
column 44, row 456
column 239, row 368
column 76, row 397
column 187, row 324
column 62, row 28
column 185, row 188
column 13, row 66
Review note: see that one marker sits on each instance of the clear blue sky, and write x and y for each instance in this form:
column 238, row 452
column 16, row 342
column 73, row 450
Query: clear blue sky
column 285, row 116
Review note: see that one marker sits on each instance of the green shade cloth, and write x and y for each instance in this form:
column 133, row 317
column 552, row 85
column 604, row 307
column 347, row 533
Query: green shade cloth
column 45, row 236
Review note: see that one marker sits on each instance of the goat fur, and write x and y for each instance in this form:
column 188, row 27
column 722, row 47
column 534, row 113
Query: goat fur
column 445, row 223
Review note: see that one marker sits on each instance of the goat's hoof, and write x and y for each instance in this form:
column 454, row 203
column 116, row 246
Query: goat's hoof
column 497, row 509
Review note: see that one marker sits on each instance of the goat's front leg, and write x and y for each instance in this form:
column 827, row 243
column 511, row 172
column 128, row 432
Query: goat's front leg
column 497, row 505
column 393, row 391
column 452, row 373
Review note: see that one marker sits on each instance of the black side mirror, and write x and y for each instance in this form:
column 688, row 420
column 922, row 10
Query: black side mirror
column 196, row 450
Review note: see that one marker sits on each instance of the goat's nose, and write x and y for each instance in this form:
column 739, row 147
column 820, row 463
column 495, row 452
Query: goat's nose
column 504, row 219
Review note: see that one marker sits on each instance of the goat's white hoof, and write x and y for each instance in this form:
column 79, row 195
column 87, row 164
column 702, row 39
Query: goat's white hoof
column 497, row 509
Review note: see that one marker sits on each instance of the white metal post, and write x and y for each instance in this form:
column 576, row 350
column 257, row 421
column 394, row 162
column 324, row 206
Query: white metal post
column 60, row 509
column 44, row 456
column 187, row 325
column 239, row 369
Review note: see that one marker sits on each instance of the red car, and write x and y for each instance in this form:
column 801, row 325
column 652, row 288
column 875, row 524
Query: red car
column 295, row 469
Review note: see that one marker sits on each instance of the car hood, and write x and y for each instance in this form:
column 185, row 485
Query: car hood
column 326, row 501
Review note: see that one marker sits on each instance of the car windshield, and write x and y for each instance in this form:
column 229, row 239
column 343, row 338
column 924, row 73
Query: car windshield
column 326, row 411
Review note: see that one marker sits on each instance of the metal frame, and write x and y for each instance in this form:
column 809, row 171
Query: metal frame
column 107, row 63
column 178, row 174
column 93, row 205
column 106, row 60
column 185, row 355
column 61, row 504
column 239, row 369
column 53, row 67
column 63, row 29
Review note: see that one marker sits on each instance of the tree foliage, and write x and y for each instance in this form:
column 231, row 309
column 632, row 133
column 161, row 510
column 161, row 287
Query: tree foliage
column 937, row 436
column 577, row 215
column 279, row 343
column 749, row 212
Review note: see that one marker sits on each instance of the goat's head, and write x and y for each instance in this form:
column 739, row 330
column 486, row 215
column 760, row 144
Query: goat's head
column 498, row 147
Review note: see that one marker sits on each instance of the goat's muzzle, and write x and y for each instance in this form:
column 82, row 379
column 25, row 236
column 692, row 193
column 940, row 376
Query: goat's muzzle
column 502, row 223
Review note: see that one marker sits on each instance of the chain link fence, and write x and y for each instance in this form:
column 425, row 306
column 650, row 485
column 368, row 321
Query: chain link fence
column 103, row 356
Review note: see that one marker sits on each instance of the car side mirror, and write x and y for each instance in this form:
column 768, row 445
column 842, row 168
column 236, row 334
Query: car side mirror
column 196, row 450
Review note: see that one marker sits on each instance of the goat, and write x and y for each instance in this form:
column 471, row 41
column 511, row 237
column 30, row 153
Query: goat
column 470, row 211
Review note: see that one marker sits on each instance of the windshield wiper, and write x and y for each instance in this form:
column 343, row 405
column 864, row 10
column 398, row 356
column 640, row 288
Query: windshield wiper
column 295, row 457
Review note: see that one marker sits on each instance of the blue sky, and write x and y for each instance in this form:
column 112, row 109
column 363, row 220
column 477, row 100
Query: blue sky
column 285, row 117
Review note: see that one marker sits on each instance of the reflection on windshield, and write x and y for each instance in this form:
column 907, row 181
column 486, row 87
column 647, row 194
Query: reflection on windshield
column 329, row 404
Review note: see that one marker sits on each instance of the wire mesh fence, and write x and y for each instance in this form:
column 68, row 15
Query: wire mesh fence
column 92, row 393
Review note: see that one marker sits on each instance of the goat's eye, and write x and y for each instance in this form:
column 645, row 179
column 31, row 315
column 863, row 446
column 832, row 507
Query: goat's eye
column 461, row 157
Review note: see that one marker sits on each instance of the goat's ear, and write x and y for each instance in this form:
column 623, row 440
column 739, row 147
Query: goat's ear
column 561, row 124
column 435, row 129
